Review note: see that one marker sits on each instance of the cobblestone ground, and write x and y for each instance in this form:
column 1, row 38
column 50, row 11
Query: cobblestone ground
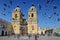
column 29, row 38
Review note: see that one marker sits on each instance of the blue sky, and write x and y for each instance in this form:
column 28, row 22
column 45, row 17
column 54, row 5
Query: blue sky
column 43, row 20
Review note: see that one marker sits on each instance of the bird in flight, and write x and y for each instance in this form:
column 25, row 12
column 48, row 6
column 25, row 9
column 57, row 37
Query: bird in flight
column 58, row 19
column 54, row 7
column 39, row 6
column 11, row 2
column 5, row 4
column 24, row 2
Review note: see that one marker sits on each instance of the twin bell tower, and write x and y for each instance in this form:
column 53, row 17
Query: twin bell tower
column 32, row 24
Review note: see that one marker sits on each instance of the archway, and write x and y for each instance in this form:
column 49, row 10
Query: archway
column 2, row 33
column 41, row 33
column 6, row 33
column 23, row 32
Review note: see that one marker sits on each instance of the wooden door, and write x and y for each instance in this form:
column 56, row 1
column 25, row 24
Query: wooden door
column 23, row 32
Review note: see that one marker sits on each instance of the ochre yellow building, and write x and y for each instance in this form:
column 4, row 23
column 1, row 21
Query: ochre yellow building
column 32, row 20
column 29, row 25
column 16, row 18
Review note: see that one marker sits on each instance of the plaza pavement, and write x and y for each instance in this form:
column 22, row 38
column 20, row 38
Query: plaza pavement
column 29, row 38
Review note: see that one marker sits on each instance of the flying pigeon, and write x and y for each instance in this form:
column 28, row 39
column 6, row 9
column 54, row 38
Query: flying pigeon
column 11, row 2
column 54, row 7
column 55, row 13
column 39, row 6
column 5, row 4
column 3, row 14
column 24, row 2
column 58, row 19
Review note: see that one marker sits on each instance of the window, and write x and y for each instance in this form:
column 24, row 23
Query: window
column 16, row 16
column 32, row 15
column 32, row 8
column 16, row 9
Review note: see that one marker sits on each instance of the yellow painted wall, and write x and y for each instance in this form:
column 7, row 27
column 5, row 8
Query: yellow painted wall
column 16, row 21
column 30, row 28
column 39, row 30
column 32, row 21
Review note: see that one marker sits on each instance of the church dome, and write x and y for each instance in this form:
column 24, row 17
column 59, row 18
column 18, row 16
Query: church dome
column 32, row 8
column 17, row 9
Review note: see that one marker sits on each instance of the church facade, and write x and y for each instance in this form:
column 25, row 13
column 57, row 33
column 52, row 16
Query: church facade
column 25, row 26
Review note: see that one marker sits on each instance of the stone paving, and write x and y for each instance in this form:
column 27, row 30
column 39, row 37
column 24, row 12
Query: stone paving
column 27, row 38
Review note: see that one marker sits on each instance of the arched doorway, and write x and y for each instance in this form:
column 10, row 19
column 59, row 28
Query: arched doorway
column 2, row 33
column 41, row 33
column 6, row 33
column 23, row 32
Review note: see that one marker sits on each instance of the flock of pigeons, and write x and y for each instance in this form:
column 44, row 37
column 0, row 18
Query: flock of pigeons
column 40, row 7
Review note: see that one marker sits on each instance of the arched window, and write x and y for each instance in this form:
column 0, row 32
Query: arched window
column 2, row 33
column 16, row 16
column 16, row 9
column 32, row 15
column 6, row 33
column 32, row 8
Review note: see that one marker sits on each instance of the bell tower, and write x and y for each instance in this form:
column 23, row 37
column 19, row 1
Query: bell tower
column 32, row 20
column 16, row 18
